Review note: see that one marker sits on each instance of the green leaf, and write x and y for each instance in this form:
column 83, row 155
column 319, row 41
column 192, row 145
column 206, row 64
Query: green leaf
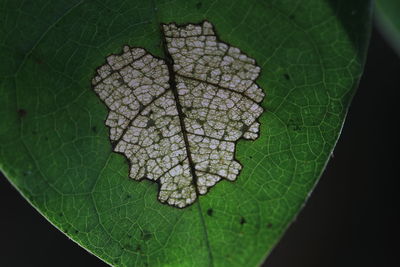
column 55, row 148
column 387, row 15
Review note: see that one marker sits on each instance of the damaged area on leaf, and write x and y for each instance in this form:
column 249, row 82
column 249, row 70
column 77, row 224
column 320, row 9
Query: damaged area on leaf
column 177, row 120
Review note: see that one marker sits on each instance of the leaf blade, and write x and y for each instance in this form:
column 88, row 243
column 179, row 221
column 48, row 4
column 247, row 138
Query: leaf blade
column 93, row 185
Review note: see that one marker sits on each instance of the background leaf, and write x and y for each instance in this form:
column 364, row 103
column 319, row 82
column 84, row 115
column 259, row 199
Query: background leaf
column 54, row 145
column 387, row 15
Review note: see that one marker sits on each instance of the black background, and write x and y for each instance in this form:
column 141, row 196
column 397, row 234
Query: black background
column 348, row 221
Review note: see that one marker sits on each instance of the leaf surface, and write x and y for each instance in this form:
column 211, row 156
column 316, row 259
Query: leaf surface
column 55, row 148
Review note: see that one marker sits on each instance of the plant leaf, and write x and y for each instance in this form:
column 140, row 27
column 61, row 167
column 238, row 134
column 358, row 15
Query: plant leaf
column 55, row 148
column 387, row 14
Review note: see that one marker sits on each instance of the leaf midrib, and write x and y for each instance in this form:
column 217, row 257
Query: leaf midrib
column 169, row 61
column 173, row 88
column 166, row 55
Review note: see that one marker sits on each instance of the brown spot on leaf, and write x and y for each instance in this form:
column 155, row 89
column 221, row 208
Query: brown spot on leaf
column 22, row 112
column 294, row 126
column 150, row 123
column 210, row 212
column 244, row 128
column 146, row 235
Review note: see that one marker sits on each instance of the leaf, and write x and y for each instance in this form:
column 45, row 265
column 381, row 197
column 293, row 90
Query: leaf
column 177, row 121
column 55, row 148
column 387, row 14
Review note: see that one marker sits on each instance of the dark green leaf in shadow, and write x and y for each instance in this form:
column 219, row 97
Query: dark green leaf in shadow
column 388, row 19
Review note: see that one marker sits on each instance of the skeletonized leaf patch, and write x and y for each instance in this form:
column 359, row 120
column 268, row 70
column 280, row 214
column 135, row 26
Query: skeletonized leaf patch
column 177, row 119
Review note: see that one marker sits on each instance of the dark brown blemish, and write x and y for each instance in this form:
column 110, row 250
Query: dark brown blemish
column 210, row 212
column 141, row 107
column 244, row 128
column 242, row 220
column 22, row 112
column 294, row 126
column 36, row 59
column 146, row 235
column 150, row 123
column 201, row 122
column 269, row 225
